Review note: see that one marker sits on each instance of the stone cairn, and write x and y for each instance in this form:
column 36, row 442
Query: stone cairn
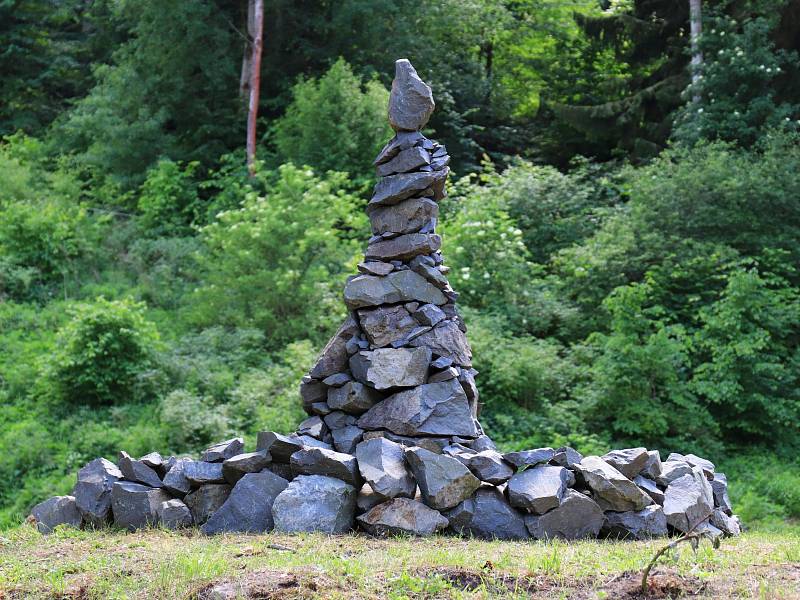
column 392, row 443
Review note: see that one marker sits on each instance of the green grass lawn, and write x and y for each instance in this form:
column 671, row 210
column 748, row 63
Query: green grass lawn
column 160, row 564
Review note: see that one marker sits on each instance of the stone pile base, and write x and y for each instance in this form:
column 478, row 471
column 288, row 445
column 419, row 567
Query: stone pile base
column 466, row 487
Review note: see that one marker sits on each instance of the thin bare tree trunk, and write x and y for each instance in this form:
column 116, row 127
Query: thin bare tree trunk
column 696, row 28
column 255, row 83
column 247, row 55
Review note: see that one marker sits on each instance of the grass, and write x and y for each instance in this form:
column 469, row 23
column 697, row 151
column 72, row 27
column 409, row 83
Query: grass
column 161, row 564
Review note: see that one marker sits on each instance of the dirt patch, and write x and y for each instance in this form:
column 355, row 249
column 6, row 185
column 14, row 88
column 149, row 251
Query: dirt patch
column 265, row 584
column 493, row 582
column 664, row 583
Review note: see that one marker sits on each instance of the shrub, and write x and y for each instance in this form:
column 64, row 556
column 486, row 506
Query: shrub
column 102, row 351
column 168, row 201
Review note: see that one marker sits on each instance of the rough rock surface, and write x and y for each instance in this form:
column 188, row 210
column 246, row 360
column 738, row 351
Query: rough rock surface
column 447, row 340
column 235, row 467
column 383, row 465
column 174, row 514
column 404, row 247
column 672, row 470
column 612, row 490
column 527, row 458
column 138, row 472
column 576, row 517
column 199, row 472
column 649, row 487
column 688, row 500
column 206, row 500
column 442, row 480
column 539, row 488
column 397, row 286
column 319, row 461
column 386, row 324
column 629, row 461
column 644, row 524
column 487, row 465
column 55, row 511
column 353, row 397
column 387, row 368
column 175, row 480
column 315, row 503
column 488, row 515
column 408, row 216
column 223, row 450
column 135, row 506
column 92, row 492
column 248, row 508
column 411, row 101
column 402, row 515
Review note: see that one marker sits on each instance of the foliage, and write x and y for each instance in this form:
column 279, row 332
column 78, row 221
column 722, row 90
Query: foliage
column 168, row 200
column 101, row 353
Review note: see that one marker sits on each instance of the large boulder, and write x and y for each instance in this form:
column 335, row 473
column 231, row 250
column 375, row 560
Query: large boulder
column 611, row 489
column 386, row 324
column 202, row 473
column 387, row 368
column 137, row 471
column 236, row 467
column 353, row 397
column 437, row 409
column 488, row 515
column 174, row 514
column 402, row 515
column 644, row 524
column 688, row 500
column 630, row 461
column 529, row 458
column 315, row 503
column 319, row 461
column 206, row 500
column 382, row 464
column 135, row 506
column 55, row 511
column 175, row 480
column 442, row 480
column 397, row 286
column 223, row 450
column 406, row 217
column 248, row 508
column 404, row 247
column 92, row 492
column 447, row 340
column 538, row 489
column 411, row 101
column 576, row 517
column 333, row 358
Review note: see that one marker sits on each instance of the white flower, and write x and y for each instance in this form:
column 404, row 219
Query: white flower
column 486, row 276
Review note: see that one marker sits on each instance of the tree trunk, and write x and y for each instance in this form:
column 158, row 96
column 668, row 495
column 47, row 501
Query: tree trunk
column 255, row 81
column 696, row 28
column 247, row 54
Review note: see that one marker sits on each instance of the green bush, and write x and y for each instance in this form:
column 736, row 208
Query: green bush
column 102, row 352
column 168, row 200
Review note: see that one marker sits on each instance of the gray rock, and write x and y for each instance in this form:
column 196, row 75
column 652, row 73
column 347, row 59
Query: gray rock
column 318, row 461
column 153, row 460
column 223, row 450
column 313, row 426
column 236, row 467
column 538, row 489
column 566, row 457
column 482, row 442
column 433, row 444
column 138, row 472
column 719, row 485
column 338, row 419
column 312, row 392
column 404, row 247
column 382, row 464
column 652, row 469
column 487, row 465
column 320, row 408
column 401, row 141
column 488, row 515
column 432, row 274
column 315, row 503
column 650, row 488
column 611, row 489
column 175, row 480
column 438, row 409
column 306, row 441
column 337, row 379
column 248, row 508
column 629, row 462
column 387, row 368
column 446, row 339
column 430, row 314
column 408, row 216
column 397, row 286
column 345, row 439
column 709, row 530
column 726, row 524
column 333, row 358
column 443, row 480
column 201, row 473
column 282, row 470
column 174, row 514
column 688, row 500
column 650, row 522
column 402, row 516
column 528, row 458
column 368, row 498
column 375, row 267
column 280, row 447
column 411, row 101
column 672, row 470
column 446, row 375
column 55, row 511
column 695, row 461
column 396, row 188
column 405, row 161
column 206, row 500
column 353, row 397
column 576, row 517
column 135, row 506
column 386, row 324
column 92, row 492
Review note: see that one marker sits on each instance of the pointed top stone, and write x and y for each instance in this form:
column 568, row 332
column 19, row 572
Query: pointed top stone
column 411, row 101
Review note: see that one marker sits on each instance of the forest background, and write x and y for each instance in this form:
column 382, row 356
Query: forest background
column 626, row 242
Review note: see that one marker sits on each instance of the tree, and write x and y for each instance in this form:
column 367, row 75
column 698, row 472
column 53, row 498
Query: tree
column 696, row 25
column 255, row 28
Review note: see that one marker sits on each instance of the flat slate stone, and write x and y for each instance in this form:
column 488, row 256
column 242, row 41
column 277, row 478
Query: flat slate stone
column 446, row 339
column 223, row 450
column 576, row 517
column 528, row 458
column 174, row 514
column 315, row 503
column 404, row 247
column 411, row 100
column 629, row 461
column 206, row 500
column 236, row 467
column 688, row 500
column 92, row 492
column 397, row 286
column 436, row 409
column 375, row 267
column 402, row 516
column 319, row 461
column 650, row 522
column 405, row 161
column 408, row 216
column 175, row 480
column 488, row 515
column 386, row 368
column 353, row 397
column 248, row 508
column 55, row 511
column 442, row 480
column 135, row 506
column 433, row 444
column 611, row 489
column 201, row 473
column 539, row 488
column 333, row 358
column 382, row 464
column 138, row 472
column 400, row 141
column 386, row 324
column 396, row 188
